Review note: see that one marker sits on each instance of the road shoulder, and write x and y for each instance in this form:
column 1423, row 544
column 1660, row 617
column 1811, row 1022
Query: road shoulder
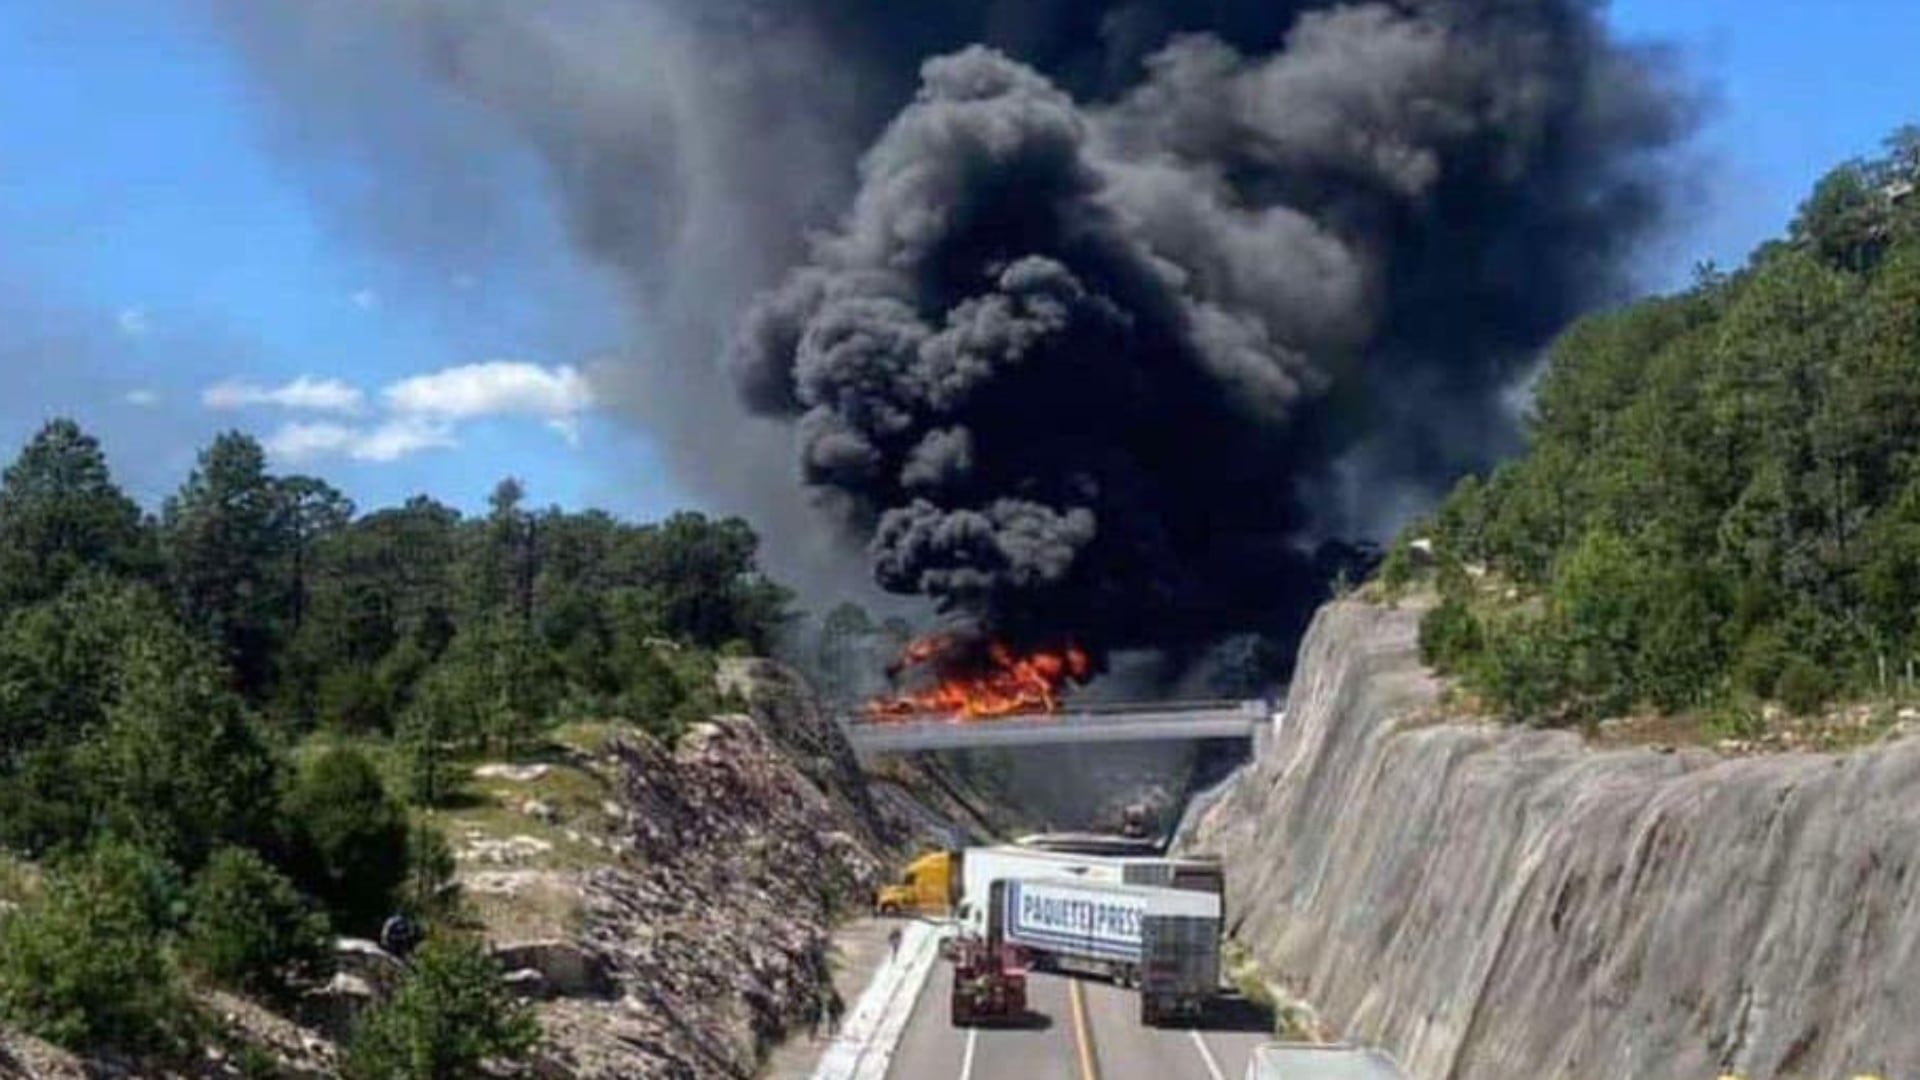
column 880, row 989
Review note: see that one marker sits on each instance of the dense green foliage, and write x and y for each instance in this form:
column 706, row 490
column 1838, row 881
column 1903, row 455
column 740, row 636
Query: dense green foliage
column 451, row 1014
column 249, row 928
column 1721, row 497
column 160, row 675
column 349, row 838
column 84, row 963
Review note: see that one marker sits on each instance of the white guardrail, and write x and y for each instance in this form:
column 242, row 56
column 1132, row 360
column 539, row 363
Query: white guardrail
column 864, row 1048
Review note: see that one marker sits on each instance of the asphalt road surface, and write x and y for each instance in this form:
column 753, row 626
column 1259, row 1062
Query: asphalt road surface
column 1079, row 1030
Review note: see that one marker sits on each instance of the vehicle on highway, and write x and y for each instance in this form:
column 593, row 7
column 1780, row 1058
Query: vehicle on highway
column 929, row 886
column 934, row 884
column 1163, row 942
column 1321, row 1061
column 989, row 983
column 981, row 867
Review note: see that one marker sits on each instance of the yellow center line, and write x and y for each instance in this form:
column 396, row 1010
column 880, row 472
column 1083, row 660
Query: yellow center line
column 1081, row 1035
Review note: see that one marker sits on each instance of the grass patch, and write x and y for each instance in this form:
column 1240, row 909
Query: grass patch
column 1294, row 1020
column 513, row 890
column 589, row 737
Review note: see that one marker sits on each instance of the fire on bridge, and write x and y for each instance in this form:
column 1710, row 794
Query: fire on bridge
column 1154, row 722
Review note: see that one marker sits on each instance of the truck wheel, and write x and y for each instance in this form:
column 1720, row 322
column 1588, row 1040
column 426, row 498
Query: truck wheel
column 887, row 911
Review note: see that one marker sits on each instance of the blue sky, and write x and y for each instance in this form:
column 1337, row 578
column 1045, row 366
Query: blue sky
column 156, row 255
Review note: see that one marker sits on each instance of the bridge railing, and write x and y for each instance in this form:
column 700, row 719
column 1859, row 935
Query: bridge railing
column 1076, row 711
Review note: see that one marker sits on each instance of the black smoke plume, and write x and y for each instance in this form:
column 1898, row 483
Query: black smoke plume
column 1077, row 367
column 1088, row 319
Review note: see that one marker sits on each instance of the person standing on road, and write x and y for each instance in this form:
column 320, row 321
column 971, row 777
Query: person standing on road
column 893, row 942
column 836, row 1007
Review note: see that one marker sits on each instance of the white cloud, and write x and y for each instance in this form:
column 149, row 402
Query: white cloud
column 306, row 442
column 144, row 399
column 364, row 299
column 299, row 443
column 560, row 395
column 133, row 322
column 305, row 392
column 401, row 437
column 416, row 414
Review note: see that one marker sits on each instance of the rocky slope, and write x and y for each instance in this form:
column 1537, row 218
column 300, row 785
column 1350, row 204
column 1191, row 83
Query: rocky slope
column 739, row 849
column 1492, row 902
column 669, row 907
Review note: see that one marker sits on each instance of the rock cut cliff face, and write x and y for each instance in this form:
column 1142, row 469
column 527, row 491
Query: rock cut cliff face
column 740, row 848
column 1496, row 902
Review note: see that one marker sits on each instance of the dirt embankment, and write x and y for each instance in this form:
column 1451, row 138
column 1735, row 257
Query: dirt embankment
column 1495, row 902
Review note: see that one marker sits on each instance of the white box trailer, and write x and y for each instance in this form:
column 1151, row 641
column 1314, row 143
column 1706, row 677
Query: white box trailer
column 981, row 867
column 1165, row 942
column 1315, row 1061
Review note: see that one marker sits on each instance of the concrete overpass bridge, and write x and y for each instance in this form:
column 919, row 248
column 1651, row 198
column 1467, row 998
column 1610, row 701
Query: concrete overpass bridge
column 1088, row 724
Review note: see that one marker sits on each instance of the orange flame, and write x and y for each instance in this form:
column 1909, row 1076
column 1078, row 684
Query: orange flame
column 1008, row 683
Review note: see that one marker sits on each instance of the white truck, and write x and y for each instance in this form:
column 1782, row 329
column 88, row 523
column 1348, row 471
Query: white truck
column 981, row 867
column 1165, row 942
column 1316, row 1061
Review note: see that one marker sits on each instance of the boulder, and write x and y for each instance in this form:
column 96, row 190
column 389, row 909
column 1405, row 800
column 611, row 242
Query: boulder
column 528, row 985
column 335, row 1008
column 367, row 962
column 515, row 774
column 567, row 969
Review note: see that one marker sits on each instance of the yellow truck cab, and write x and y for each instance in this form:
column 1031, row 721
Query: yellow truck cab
column 926, row 887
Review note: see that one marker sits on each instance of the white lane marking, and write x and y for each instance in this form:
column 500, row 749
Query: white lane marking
column 966, row 1059
column 1206, row 1055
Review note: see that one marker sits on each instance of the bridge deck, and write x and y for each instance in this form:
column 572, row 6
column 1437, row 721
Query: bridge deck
column 1105, row 724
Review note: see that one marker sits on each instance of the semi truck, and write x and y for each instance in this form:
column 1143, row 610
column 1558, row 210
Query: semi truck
column 934, row 884
column 1164, row 942
column 930, row 885
column 1318, row 1061
column 983, row 866
column 989, row 983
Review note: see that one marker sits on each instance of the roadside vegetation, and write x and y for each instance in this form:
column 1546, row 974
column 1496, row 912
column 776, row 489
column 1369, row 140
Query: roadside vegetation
column 237, row 728
column 1719, row 511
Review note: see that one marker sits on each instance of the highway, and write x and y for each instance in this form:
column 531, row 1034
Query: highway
column 1081, row 1030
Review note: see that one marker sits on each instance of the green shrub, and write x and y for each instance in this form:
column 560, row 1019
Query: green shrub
column 250, row 930
column 181, row 765
column 452, row 1013
column 1735, row 719
column 1804, row 686
column 42, row 809
column 354, row 700
column 430, row 892
column 1450, row 635
column 1525, row 670
column 349, row 839
column 1760, row 663
column 84, row 965
column 1397, row 570
column 426, row 759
